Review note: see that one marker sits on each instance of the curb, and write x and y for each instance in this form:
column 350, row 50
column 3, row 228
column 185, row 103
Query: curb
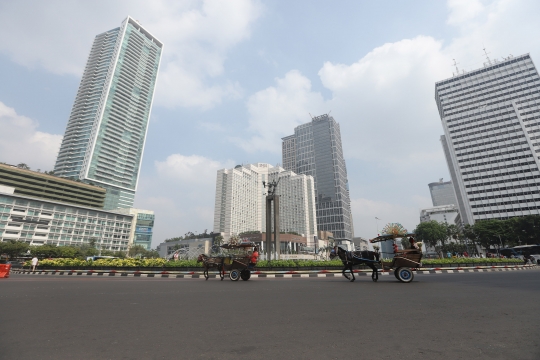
column 269, row 274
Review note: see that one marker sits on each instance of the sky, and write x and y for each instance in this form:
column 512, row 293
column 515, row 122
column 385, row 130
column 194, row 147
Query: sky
column 236, row 76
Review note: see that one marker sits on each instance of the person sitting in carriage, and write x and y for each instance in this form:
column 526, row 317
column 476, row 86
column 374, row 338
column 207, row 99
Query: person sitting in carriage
column 413, row 243
column 253, row 258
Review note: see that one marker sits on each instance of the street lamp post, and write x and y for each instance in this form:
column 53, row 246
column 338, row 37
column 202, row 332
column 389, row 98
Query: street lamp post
column 377, row 222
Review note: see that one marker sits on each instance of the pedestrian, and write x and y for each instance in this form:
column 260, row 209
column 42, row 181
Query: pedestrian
column 34, row 263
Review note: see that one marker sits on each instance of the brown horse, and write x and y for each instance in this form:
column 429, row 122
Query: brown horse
column 211, row 262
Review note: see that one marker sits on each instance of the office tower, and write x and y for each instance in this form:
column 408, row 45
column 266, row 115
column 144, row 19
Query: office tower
column 442, row 193
column 315, row 149
column 40, row 221
column 491, row 123
column 241, row 204
column 105, row 135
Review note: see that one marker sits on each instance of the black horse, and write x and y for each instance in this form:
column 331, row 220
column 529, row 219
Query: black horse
column 353, row 258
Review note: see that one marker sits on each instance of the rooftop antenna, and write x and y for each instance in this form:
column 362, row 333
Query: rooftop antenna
column 487, row 57
column 310, row 116
column 456, row 64
column 329, row 113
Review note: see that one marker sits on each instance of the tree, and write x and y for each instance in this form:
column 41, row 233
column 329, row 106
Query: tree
column 92, row 242
column 23, row 166
column 218, row 240
column 13, row 248
column 432, row 233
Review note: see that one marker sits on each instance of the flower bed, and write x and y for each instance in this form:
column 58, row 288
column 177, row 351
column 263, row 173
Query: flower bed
column 192, row 265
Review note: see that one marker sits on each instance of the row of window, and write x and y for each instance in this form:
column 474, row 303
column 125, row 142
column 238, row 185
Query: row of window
column 525, row 208
column 508, row 173
column 503, row 181
column 505, row 195
column 493, row 148
column 493, row 155
column 478, row 72
column 499, row 168
column 476, row 119
column 503, row 188
column 476, row 97
column 484, row 130
column 488, row 137
column 498, row 78
column 496, row 161
column 505, row 98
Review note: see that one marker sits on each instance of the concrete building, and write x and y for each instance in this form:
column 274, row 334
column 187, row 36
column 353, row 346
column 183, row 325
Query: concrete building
column 444, row 213
column 38, row 221
column 360, row 244
column 315, row 149
column 142, row 226
column 106, row 131
column 491, row 127
column 240, row 201
column 43, row 186
column 442, row 193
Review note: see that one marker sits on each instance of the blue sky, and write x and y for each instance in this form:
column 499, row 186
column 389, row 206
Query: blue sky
column 236, row 76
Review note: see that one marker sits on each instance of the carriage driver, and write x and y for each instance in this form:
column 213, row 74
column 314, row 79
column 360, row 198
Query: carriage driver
column 254, row 258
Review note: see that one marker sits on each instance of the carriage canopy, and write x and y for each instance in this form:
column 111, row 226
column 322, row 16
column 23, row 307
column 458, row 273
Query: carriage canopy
column 386, row 237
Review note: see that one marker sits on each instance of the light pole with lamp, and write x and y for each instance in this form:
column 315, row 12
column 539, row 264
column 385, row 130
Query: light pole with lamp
column 377, row 222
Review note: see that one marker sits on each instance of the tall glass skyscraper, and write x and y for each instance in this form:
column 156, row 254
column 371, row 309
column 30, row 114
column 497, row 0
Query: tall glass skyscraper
column 105, row 135
column 491, row 121
column 315, row 149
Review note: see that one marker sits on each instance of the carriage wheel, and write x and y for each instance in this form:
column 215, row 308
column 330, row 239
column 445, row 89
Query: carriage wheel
column 375, row 276
column 405, row 275
column 245, row 274
column 234, row 275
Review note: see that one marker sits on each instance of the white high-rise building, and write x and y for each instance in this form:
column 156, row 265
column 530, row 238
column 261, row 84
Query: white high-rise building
column 241, row 201
column 105, row 135
column 491, row 121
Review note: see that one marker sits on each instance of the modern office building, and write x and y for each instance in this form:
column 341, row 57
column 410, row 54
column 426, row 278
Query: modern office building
column 44, row 186
column 444, row 213
column 241, row 201
column 442, row 193
column 142, row 226
column 38, row 221
column 491, row 121
column 106, row 131
column 315, row 149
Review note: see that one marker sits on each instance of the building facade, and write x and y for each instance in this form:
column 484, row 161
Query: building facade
column 39, row 221
column 142, row 226
column 241, row 201
column 44, row 186
column 491, row 121
column 444, row 213
column 315, row 149
column 186, row 248
column 442, row 193
column 106, row 131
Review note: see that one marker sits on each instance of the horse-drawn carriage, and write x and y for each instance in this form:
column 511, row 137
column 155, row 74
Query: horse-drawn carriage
column 401, row 263
column 236, row 262
column 403, row 260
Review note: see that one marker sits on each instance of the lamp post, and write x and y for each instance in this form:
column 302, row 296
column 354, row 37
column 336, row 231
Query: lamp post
column 377, row 222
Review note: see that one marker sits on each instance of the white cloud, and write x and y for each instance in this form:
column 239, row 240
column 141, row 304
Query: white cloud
column 365, row 210
column 181, row 192
column 463, row 10
column 197, row 37
column 190, row 169
column 21, row 142
column 276, row 110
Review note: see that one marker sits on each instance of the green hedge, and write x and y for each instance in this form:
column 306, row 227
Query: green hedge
column 147, row 263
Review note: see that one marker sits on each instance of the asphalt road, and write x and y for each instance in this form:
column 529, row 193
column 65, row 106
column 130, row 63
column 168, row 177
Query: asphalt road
column 493, row 315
